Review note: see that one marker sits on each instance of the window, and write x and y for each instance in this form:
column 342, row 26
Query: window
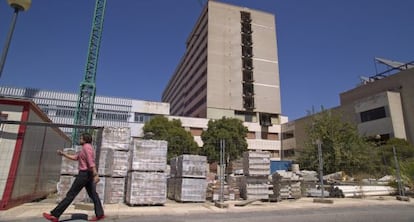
column 142, row 117
column 245, row 17
column 248, row 89
column 65, row 111
column 44, row 107
column 246, row 39
column 247, row 64
column 373, row 114
column 247, row 51
column 110, row 115
column 288, row 135
column 248, row 75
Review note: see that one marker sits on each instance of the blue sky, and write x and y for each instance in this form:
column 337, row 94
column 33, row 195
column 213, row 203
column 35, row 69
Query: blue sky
column 324, row 46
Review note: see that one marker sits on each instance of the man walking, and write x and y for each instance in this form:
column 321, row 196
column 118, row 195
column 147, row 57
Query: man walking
column 87, row 177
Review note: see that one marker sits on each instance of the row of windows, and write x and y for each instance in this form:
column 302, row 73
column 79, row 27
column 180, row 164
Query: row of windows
column 373, row 114
column 196, row 106
column 108, row 115
column 142, row 117
column 247, row 61
column 184, row 64
column 120, row 116
column 184, row 72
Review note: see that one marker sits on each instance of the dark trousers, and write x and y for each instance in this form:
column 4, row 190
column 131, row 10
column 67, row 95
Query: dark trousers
column 83, row 179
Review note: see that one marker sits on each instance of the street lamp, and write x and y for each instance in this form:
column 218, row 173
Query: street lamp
column 17, row 5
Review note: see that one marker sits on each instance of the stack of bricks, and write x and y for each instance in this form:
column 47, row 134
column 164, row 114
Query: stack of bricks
column 188, row 181
column 256, row 168
column 286, row 185
column 147, row 179
column 113, row 164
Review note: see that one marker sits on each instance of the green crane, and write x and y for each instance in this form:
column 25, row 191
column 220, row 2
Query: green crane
column 86, row 97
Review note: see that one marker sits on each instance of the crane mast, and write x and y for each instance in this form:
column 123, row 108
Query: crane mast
column 86, row 96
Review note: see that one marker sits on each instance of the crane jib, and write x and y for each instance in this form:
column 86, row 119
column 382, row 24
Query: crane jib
column 86, row 97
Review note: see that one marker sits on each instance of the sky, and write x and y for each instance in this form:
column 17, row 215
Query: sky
column 324, row 46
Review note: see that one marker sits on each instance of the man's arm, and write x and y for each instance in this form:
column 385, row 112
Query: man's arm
column 69, row 156
column 95, row 174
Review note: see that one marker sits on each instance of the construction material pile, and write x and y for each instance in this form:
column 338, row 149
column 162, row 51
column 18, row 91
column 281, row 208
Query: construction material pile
column 188, row 178
column 147, row 179
column 256, row 168
column 231, row 190
column 286, row 185
column 113, row 164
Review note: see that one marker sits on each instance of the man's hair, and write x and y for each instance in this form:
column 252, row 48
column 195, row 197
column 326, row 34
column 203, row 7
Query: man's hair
column 87, row 137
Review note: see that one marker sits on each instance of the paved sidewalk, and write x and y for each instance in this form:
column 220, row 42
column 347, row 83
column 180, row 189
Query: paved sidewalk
column 113, row 211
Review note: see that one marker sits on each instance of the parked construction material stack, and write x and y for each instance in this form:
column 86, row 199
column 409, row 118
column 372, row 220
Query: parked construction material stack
column 114, row 163
column 147, row 180
column 309, row 181
column 286, row 185
column 256, row 167
column 188, row 178
column 231, row 190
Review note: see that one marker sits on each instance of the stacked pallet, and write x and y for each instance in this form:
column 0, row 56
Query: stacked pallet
column 147, row 181
column 113, row 164
column 286, row 185
column 188, row 178
column 68, row 172
column 230, row 192
column 256, row 167
column 309, row 181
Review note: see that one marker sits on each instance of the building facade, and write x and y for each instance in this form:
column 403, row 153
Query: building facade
column 383, row 106
column 60, row 107
column 118, row 112
column 230, row 67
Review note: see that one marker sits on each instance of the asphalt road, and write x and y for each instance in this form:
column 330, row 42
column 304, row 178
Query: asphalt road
column 393, row 213
column 370, row 213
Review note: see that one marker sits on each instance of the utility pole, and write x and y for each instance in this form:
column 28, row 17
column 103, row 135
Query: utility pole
column 222, row 169
column 17, row 5
column 221, row 203
column 321, row 200
column 401, row 192
column 319, row 143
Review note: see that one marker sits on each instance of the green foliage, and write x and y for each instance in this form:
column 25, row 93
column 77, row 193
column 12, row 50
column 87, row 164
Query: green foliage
column 179, row 141
column 342, row 147
column 229, row 129
column 407, row 171
column 405, row 155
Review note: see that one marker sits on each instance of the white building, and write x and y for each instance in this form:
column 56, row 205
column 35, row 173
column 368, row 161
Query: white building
column 60, row 107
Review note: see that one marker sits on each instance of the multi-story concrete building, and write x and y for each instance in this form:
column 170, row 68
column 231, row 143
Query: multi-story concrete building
column 119, row 112
column 382, row 106
column 230, row 67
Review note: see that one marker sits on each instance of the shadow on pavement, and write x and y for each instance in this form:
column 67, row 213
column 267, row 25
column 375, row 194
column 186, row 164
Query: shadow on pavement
column 76, row 217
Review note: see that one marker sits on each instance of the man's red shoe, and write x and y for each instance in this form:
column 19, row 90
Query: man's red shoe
column 97, row 218
column 50, row 217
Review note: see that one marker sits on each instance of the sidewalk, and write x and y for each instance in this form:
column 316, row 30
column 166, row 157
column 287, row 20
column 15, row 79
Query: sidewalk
column 114, row 211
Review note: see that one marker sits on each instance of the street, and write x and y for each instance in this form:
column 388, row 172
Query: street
column 394, row 213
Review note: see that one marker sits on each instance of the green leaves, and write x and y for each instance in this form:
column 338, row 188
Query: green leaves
column 342, row 147
column 229, row 129
column 179, row 140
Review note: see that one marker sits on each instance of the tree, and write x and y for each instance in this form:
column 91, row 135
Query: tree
column 234, row 134
column 342, row 147
column 405, row 154
column 179, row 141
